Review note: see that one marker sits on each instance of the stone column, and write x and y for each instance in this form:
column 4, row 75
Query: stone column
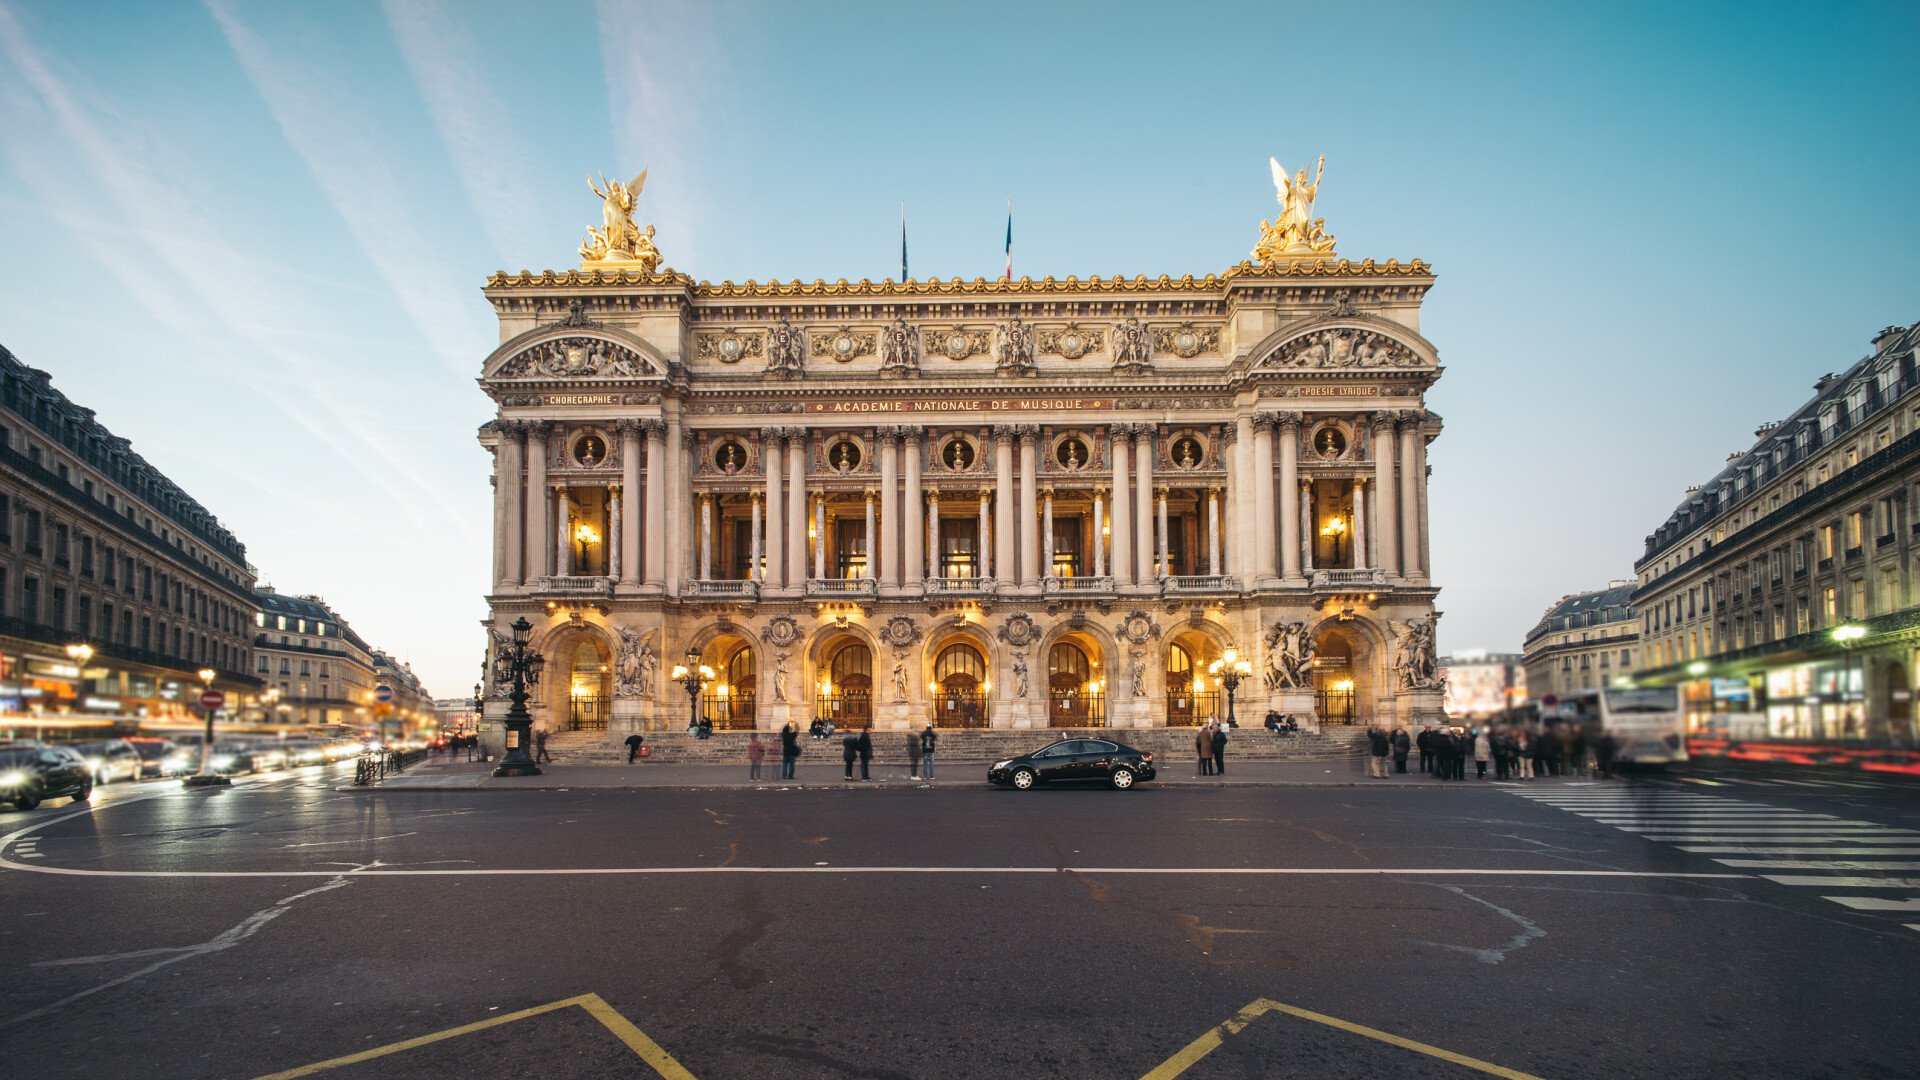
column 933, row 534
column 820, row 544
column 563, row 518
column 870, row 538
column 1099, row 535
column 706, row 538
column 1230, row 555
column 1161, row 564
column 1029, row 508
column 614, row 542
column 754, row 571
column 986, row 533
column 889, row 509
column 1292, row 534
column 797, row 507
column 655, row 565
column 1246, row 506
column 1359, row 524
column 1005, row 514
column 1385, row 533
column 1143, row 503
column 1046, row 521
column 772, row 441
column 1122, row 527
column 1306, row 526
column 503, row 486
column 1425, row 569
column 913, row 558
column 1262, row 481
column 677, row 560
column 517, row 498
column 1213, row 532
column 539, row 536
column 1409, row 496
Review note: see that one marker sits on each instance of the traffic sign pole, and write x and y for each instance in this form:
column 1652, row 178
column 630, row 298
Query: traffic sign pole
column 210, row 701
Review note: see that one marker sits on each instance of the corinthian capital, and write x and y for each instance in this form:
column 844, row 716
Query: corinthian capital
column 1029, row 433
column 1005, row 433
column 654, row 427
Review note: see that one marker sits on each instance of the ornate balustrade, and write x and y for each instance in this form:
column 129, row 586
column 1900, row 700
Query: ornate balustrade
column 842, row 587
column 722, row 587
column 591, row 586
column 964, row 586
column 1078, row 584
column 1198, row 583
column 1338, row 579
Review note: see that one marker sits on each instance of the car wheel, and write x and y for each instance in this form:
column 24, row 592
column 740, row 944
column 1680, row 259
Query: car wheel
column 85, row 793
column 1023, row 778
column 26, row 800
column 1122, row 779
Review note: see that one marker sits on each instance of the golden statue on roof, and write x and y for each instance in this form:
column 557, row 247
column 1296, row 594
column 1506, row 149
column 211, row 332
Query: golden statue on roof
column 1296, row 233
column 622, row 243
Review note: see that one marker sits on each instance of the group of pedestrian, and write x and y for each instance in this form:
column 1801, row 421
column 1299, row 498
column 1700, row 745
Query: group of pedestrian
column 1282, row 725
column 1515, row 753
column 456, row 743
column 1381, row 744
column 1210, row 744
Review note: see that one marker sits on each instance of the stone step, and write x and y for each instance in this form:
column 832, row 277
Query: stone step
column 956, row 746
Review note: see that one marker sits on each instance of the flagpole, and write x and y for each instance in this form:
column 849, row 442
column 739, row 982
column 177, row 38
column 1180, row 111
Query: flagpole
column 1009, row 240
column 903, row 241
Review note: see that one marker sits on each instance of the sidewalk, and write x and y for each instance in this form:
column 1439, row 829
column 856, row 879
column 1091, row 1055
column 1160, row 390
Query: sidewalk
column 462, row 776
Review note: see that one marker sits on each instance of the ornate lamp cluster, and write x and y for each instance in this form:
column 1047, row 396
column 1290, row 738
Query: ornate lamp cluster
column 1230, row 669
column 694, row 676
column 521, row 665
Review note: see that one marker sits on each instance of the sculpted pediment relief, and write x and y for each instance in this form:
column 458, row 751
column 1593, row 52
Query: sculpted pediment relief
column 573, row 351
column 1344, row 338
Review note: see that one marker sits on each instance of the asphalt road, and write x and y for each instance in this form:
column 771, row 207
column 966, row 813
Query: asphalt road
column 962, row 932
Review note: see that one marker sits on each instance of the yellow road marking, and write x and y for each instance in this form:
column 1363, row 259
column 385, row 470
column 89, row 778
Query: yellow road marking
column 622, row 1028
column 1211, row 1041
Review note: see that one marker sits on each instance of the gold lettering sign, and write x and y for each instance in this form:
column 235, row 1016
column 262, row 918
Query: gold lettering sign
column 1339, row 391
column 581, row 399
column 962, row 405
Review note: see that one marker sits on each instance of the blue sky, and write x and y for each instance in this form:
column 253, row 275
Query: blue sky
column 253, row 236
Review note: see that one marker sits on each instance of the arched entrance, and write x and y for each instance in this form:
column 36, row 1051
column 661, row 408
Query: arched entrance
column 960, row 686
column 730, row 698
column 589, row 687
column 1193, row 694
column 1333, row 681
column 846, row 694
column 1074, row 687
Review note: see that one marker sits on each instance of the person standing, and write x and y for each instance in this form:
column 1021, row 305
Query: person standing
column 849, row 749
column 928, row 740
column 634, row 742
column 1502, row 754
column 1203, row 746
column 1425, row 742
column 1523, row 753
column 1401, row 745
column 865, row 746
column 1377, row 746
column 789, row 749
column 1220, row 749
column 756, row 753
column 540, row 746
column 913, row 756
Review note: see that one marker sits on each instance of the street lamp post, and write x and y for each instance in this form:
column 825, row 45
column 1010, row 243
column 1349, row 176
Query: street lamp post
column 521, row 665
column 1846, row 636
column 206, row 776
column 1230, row 669
column 693, row 675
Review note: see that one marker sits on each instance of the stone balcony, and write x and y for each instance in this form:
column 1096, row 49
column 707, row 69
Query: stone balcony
column 842, row 588
column 1198, row 584
column 967, row 586
column 1371, row 578
column 717, row 588
column 575, row 586
column 1077, row 585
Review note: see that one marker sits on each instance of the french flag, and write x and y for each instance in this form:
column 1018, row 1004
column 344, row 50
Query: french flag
column 1009, row 240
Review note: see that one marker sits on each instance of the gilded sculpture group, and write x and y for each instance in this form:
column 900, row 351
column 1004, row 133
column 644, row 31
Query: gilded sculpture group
column 1294, row 234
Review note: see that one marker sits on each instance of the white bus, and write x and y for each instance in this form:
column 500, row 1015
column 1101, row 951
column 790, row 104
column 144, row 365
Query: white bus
column 1645, row 722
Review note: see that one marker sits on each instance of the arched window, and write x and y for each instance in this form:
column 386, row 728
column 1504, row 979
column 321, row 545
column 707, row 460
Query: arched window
column 852, row 664
column 1179, row 666
column 959, row 667
column 849, row 688
column 1067, row 667
column 741, row 672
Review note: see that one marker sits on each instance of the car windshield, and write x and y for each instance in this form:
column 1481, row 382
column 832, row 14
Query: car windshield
column 152, row 749
column 13, row 759
column 1646, row 699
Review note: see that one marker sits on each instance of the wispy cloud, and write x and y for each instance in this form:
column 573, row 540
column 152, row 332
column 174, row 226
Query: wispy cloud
column 659, row 60
column 492, row 160
column 326, row 123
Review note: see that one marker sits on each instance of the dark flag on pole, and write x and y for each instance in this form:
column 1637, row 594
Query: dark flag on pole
column 1009, row 239
column 903, row 241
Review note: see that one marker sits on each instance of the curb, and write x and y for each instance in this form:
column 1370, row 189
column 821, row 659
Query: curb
column 897, row 786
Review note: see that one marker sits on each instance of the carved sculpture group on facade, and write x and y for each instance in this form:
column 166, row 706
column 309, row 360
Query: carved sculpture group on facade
column 1344, row 347
column 900, row 350
column 1132, row 348
column 780, row 673
column 1020, row 687
column 635, row 665
column 786, row 351
column 1019, row 631
column 1290, row 651
column 899, row 676
column 1415, row 665
column 1016, row 351
column 575, row 357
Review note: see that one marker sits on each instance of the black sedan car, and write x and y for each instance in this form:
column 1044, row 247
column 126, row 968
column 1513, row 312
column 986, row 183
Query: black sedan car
column 30, row 774
column 1071, row 760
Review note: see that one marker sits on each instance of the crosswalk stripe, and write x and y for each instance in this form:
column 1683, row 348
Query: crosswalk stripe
column 1771, row 838
column 1812, row 864
column 1759, row 830
column 1875, row 903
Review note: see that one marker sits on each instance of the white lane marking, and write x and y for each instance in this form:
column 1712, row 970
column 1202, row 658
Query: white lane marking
column 373, row 872
column 1780, row 830
column 1875, row 903
column 1737, row 849
column 1817, row 864
column 1825, row 881
column 226, row 939
column 1796, row 838
column 356, row 840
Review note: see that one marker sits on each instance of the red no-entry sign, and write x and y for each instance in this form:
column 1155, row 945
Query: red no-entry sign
column 213, row 699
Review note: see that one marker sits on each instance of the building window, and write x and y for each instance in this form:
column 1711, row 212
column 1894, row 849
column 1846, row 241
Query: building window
column 146, row 583
column 59, row 607
column 1859, row 604
column 83, row 612
column 1889, row 590
column 1779, row 621
column 60, row 544
column 30, row 599
column 1626, row 658
column 33, row 532
column 263, row 666
column 260, row 619
column 146, row 633
column 106, row 566
column 960, row 547
column 126, row 628
column 6, row 520
column 1829, row 540
column 1829, row 606
column 305, row 668
column 286, row 666
column 1856, row 530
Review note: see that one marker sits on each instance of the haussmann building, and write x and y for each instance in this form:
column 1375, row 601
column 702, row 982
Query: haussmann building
column 981, row 504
